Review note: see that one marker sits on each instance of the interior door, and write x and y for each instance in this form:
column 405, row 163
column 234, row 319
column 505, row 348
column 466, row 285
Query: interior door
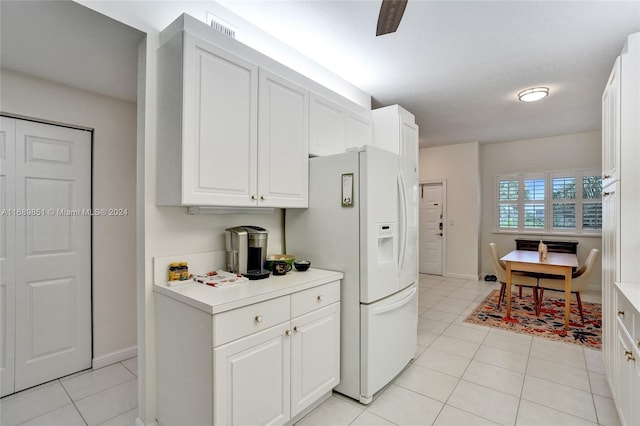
column 7, row 256
column 431, row 229
column 52, row 252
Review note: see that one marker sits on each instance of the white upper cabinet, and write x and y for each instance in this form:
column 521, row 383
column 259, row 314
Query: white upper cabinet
column 394, row 130
column 611, row 126
column 230, row 133
column 335, row 128
column 208, row 122
column 359, row 129
column 283, row 149
column 328, row 127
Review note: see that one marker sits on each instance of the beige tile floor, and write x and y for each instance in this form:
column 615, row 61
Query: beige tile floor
column 463, row 374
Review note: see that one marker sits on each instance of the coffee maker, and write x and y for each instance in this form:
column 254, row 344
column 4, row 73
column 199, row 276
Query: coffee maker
column 247, row 251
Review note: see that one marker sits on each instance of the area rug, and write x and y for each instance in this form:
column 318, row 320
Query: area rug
column 549, row 324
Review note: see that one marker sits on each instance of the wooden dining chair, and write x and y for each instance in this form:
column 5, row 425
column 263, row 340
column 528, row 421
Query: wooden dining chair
column 579, row 281
column 517, row 278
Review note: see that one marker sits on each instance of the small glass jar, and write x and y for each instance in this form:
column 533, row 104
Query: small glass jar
column 174, row 271
column 184, row 271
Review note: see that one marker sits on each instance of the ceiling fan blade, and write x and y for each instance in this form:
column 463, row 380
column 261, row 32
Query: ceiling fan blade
column 390, row 15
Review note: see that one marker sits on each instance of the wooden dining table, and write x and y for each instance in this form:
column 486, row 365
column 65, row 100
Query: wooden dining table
column 555, row 264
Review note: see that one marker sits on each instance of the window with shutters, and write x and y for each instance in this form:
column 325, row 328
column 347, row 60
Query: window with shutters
column 567, row 202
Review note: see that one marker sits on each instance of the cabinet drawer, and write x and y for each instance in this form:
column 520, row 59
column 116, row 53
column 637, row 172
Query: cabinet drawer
column 314, row 298
column 241, row 322
column 625, row 311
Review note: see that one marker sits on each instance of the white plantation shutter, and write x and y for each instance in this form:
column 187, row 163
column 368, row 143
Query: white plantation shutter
column 552, row 202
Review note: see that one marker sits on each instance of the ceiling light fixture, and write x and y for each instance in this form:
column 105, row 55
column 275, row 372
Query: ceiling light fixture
column 533, row 94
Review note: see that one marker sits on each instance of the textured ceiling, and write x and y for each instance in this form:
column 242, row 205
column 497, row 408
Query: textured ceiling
column 459, row 65
column 456, row 65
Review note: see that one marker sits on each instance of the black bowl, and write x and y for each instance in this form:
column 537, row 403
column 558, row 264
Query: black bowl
column 302, row 265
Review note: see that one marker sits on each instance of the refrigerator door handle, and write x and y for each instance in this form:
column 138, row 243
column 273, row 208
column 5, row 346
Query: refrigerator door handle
column 400, row 303
column 403, row 222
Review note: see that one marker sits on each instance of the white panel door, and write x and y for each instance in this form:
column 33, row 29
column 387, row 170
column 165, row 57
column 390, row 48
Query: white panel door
column 283, row 148
column 251, row 379
column 315, row 356
column 53, row 252
column 220, row 129
column 431, row 229
column 7, row 255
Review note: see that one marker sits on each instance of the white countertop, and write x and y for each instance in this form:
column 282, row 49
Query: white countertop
column 214, row 300
column 631, row 292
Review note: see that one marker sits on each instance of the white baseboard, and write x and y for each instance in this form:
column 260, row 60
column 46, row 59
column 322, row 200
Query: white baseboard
column 113, row 357
column 139, row 422
column 462, row 276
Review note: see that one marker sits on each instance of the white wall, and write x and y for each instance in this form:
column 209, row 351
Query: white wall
column 459, row 166
column 114, row 185
column 575, row 151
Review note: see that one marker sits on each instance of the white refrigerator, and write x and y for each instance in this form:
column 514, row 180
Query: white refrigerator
column 362, row 220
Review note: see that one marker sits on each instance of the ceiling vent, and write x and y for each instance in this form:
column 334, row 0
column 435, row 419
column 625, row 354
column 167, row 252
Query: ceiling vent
column 221, row 25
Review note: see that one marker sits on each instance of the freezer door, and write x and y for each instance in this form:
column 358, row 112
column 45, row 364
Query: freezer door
column 408, row 222
column 388, row 340
column 379, row 231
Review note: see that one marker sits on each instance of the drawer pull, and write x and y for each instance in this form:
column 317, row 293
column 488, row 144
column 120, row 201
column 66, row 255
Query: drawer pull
column 263, row 197
column 254, row 197
column 320, row 298
column 258, row 318
column 629, row 356
column 287, row 333
column 606, row 194
column 621, row 313
column 606, row 176
column 638, row 343
column 296, row 328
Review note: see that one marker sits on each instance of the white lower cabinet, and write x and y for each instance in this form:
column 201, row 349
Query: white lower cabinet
column 315, row 362
column 251, row 379
column 267, row 361
column 625, row 374
column 271, row 376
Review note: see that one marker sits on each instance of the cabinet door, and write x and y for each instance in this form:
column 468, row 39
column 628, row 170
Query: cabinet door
column 327, row 127
column 220, row 125
column 609, row 274
column 409, row 141
column 627, row 380
column 611, row 126
column 283, row 148
column 251, row 379
column 359, row 130
column 315, row 356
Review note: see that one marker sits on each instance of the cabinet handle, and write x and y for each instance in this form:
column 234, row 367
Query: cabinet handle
column 258, row 318
column 263, row 197
column 606, row 176
column 621, row 313
column 287, row 333
column 638, row 343
column 296, row 328
column 320, row 298
column 629, row 356
column 254, row 197
column 606, row 193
